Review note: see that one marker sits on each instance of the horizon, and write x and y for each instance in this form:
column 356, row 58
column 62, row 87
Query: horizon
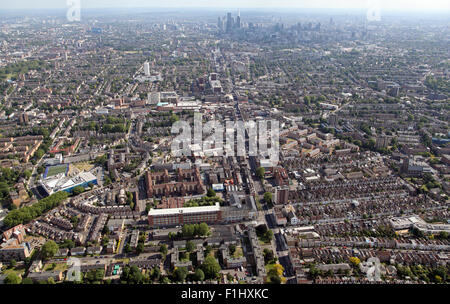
column 432, row 6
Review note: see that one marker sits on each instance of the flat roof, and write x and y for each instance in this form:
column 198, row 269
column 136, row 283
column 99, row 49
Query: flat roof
column 171, row 211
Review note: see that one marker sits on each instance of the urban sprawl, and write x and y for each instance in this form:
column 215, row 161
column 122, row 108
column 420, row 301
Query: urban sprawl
column 89, row 181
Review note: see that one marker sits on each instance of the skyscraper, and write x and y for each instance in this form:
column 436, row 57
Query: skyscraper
column 229, row 23
column 238, row 19
column 221, row 23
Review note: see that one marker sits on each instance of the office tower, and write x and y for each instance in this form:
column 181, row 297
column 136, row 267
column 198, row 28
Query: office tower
column 238, row 19
column 220, row 23
column 229, row 23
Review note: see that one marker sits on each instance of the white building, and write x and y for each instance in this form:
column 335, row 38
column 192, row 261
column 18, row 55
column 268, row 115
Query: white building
column 147, row 69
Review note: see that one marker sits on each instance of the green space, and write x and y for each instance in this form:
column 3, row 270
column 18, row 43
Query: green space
column 55, row 267
column 13, row 70
column 55, row 170
column 28, row 213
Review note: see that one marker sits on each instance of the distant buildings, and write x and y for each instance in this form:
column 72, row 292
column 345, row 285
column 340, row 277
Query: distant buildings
column 227, row 24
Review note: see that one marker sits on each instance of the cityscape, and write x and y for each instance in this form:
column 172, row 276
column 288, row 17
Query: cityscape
column 224, row 146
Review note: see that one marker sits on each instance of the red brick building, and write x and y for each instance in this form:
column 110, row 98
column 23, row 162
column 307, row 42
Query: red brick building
column 183, row 183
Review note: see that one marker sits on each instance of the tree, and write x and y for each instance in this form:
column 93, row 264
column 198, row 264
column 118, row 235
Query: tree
column 268, row 255
column 208, row 249
column 275, row 279
column 211, row 267
column 12, row 278
column 232, row 249
column 210, row 193
column 268, row 197
column 203, row 229
column 180, row 274
column 127, row 248
column 51, row 281
column 188, row 230
column 261, row 229
column 78, row 190
column 156, row 273
column 164, row 280
column 27, row 174
column 190, row 246
column 27, row 281
column 277, row 269
column 417, row 232
column 260, row 172
column 199, row 275
column 140, row 248
column 69, row 244
column 163, row 249
column 269, row 235
column 49, row 249
column 26, row 214
column 12, row 263
column 275, row 274
column 132, row 275
column 355, row 260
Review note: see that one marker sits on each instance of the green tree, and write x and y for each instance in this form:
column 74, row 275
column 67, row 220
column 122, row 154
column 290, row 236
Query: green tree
column 211, row 267
column 156, row 273
column 188, row 230
column 232, row 249
column 203, row 229
column 180, row 274
column 268, row 197
column 199, row 275
column 140, row 248
column 268, row 256
column 260, row 172
column 210, row 193
column 127, row 248
column 12, row 278
column 190, row 246
column 132, row 275
column 49, row 249
column 274, row 279
column 163, row 249
column 27, row 281
column 269, row 235
column 78, row 190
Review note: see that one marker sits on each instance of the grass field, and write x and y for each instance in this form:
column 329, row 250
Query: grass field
column 238, row 253
column 16, row 270
column 54, row 170
column 58, row 267
column 84, row 166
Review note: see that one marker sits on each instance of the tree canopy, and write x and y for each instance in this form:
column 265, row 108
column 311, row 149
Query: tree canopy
column 211, row 267
column 49, row 250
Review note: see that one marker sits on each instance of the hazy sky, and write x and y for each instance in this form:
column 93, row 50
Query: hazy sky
column 403, row 5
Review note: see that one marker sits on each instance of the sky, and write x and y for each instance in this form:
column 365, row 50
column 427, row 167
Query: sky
column 396, row 5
